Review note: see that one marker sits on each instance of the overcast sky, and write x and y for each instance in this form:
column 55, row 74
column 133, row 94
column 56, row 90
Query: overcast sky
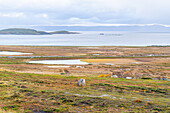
column 84, row 12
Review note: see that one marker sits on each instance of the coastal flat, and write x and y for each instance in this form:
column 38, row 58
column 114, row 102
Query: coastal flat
column 46, row 88
column 101, row 51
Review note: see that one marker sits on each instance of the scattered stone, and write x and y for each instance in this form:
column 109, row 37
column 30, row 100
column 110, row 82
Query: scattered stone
column 114, row 76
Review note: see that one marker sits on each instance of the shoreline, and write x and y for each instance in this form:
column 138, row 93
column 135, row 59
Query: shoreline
column 86, row 46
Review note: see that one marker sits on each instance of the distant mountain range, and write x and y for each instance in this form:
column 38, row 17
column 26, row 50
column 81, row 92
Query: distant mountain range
column 146, row 28
column 22, row 31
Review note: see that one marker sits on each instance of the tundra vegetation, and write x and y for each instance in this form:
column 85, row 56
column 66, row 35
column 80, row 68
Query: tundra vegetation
column 29, row 88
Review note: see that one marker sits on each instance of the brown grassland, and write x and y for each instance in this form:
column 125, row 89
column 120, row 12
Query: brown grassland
column 36, row 88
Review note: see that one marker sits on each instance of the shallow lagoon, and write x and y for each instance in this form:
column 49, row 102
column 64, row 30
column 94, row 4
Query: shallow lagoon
column 66, row 62
column 13, row 53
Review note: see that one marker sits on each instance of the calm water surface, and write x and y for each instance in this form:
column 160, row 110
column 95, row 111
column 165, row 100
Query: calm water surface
column 13, row 53
column 67, row 62
column 89, row 39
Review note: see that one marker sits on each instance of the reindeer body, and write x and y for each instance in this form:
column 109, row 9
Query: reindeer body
column 82, row 82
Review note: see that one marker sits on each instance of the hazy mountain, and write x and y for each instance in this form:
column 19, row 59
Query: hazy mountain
column 153, row 28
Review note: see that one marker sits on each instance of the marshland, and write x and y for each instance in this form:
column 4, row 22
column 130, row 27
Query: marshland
column 27, row 86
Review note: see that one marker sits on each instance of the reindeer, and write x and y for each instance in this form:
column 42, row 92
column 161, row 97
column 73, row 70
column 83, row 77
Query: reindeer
column 81, row 82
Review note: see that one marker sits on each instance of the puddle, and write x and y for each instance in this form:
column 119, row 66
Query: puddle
column 80, row 66
column 136, row 62
column 156, row 55
column 109, row 64
column 96, row 54
column 129, row 78
column 67, row 62
column 58, row 66
column 36, row 56
column 13, row 53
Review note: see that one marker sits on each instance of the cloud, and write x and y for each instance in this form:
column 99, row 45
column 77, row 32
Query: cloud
column 12, row 15
column 85, row 11
column 44, row 15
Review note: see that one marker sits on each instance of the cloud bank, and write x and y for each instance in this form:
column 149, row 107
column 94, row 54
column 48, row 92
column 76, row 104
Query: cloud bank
column 84, row 12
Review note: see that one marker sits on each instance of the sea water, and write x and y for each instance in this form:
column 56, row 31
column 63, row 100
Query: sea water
column 89, row 39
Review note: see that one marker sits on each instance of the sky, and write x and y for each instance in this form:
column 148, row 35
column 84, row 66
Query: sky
column 84, row 12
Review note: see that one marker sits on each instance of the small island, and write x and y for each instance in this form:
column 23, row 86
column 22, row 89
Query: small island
column 22, row 31
column 63, row 32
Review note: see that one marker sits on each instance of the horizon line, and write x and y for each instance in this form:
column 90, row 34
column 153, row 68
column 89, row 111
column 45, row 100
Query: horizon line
column 92, row 25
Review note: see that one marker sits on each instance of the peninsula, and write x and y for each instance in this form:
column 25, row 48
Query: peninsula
column 22, row 31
